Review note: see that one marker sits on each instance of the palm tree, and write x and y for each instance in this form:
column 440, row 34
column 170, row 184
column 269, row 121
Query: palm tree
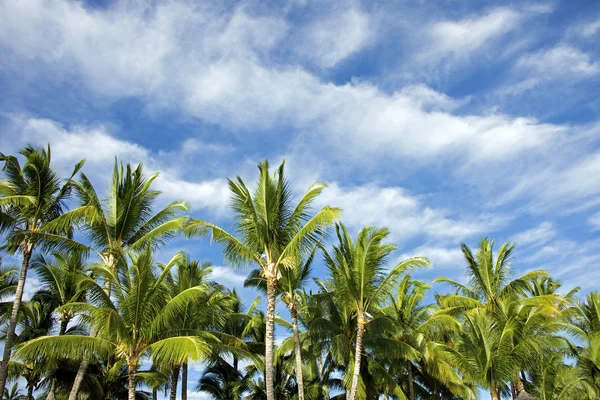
column 14, row 393
column 586, row 328
column 489, row 282
column 35, row 320
column 290, row 283
column 553, row 379
column 8, row 286
column 135, row 321
column 223, row 381
column 207, row 313
column 31, row 197
column 362, row 281
column 62, row 284
column 272, row 233
column 417, row 325
column 62, row 278
column 121, row 222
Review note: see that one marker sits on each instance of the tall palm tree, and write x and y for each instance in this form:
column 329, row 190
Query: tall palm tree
column 135, row 321
column 417, row 325
column 62, row 283
column 482, row 351
column 207, row 313
column 362, row 281
column 35, row 320
column 121, row 222
column 553, row 379
column 8, row 287
column 489, row 279
column 290, row 283
column 524, row 308
column 222, row 381
column 31, row 197
column 270, row 231
column 586, row 328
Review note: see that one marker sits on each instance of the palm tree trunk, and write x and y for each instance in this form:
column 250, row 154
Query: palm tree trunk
column 10, row 335
column 154, row 394
column 63, row 328
column 357, row 358
column 411, row 384
column 79, row 377
column 184, row 378
column 86, row 361
column 494, row 392
column 52, row 392
column 174, row 381
column 132, row 369
column 269, row 338
column 299, row 378
column 30, row 387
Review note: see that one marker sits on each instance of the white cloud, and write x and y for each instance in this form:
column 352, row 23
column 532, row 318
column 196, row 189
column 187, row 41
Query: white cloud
column 198, row 395
column 32, row 285
column 536, row 236
column 99, row 148
column 470, row 34
column 594, row 221
column 332, row 39
column 586, row 29
column 441, row 257
column 560, row 60
column 572, row 262
column 217, row 66
column 227, row 275
column 402, row 213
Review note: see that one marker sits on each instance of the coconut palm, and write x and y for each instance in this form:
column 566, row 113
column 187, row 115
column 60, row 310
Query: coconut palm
column 362, row 281
column 553, row 379
column 31, row 197
column 222, row 381
column 290, row 283
column 415, row 324
column 62, row 279
column 135, row 321
column 207, row 313
column 14, row 393
column 270, row 231
column 489, row 279
column 35, row 320
column 121, row 222
column 8, row 286
column 62, row 283
column 586, row 328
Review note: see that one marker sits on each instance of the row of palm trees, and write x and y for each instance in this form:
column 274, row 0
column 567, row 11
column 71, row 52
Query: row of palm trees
column 111, row 322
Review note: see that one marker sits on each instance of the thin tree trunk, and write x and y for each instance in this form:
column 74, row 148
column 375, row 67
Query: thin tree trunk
column 63, row 328
column 30, row 388
column 79, row 377
column 174, row 382
column 10, row 335
column 184, row 379
column 269, row 337
column 299, row 378
column 132, row 369
column 411, row 384
column 494, row 392
column 357, row 358
column 154, row 394
column 86, row 359
column 85, row 362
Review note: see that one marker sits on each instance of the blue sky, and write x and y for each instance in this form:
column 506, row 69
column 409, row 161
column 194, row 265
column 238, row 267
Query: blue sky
column 444, row 121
